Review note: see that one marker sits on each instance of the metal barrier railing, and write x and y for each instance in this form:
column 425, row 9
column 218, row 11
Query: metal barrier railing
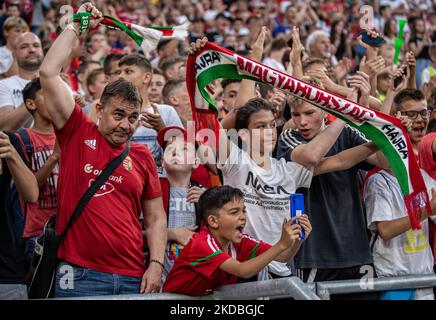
column 291, row 287
column 148, row 296
column 325, row 289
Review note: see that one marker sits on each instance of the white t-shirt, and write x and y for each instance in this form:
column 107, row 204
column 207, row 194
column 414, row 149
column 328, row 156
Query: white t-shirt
column 11, row 91
column 270, row 62
column 407, row 253
column 148, row 136
column 266, row 194
column 6, row 59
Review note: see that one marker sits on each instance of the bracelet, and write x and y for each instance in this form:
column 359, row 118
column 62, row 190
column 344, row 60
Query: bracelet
column 158, row 262
column 71, row 27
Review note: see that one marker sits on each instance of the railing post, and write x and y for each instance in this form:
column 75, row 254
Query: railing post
column 291, row 287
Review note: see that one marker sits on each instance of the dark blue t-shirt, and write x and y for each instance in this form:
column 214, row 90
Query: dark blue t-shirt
column 339, row 236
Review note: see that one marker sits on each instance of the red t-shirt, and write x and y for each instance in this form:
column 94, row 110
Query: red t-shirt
column 38, row 213
column 107, row 236
column 196, row 270
column 427, row 162
column 426, row 159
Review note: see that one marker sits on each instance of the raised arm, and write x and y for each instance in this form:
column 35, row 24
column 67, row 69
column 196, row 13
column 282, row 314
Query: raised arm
column 247, row 88
column 338, row 89
column 345, row 159
column 295, row 55
column 393, row 228
column 60, row 104
column 289, row 241
column 225, row 146
column 311, row 153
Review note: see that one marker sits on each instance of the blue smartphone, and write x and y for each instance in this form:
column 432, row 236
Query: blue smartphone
column 373, row 42
column 297, row 208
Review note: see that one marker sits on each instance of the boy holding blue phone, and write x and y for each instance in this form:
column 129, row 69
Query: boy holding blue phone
column 221, row 252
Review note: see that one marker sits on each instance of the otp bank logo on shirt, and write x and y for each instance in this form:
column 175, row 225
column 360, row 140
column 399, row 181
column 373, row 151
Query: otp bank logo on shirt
column 107, row 187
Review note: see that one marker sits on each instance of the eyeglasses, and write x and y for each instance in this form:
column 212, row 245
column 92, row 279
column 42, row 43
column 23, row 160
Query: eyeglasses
column 414, row 114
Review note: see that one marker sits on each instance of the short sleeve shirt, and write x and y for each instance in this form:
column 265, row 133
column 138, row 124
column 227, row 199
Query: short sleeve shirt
column 197, row 269
column 107, row 236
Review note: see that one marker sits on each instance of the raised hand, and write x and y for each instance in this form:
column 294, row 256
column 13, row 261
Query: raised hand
column 7, row 150
column 371, row 52
column 322, row 77
column 399, row 73
column 405, row 121
column 411, row 61
column 197, row 45
column 95, row 13
column 360, row 82
column 257, row 48
column 342, row 68
column 291, row 233
column 194, row 194
column 372, row 67
column 152, row 120
column 304, row 222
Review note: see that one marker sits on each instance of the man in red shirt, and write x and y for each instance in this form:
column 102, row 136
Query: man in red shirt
column 220, row 252
column 102, row 251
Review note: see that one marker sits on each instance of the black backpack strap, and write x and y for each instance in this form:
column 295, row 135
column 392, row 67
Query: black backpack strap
column 101, row 179
column 27, row 144
column 26, row 156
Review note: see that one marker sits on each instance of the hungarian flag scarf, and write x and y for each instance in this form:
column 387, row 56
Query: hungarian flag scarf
column 213, row 62
column 145, row 37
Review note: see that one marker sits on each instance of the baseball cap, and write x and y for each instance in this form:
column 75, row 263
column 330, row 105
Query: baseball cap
column 166, row 134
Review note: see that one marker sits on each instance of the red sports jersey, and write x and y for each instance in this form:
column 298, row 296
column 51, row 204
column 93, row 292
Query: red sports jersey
column 197, row 268
column 426, row 159
column 40, row 212
column 107, row 236
column 427, row 162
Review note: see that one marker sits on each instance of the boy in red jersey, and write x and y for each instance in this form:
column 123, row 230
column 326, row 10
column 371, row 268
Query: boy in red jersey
column 220, row 252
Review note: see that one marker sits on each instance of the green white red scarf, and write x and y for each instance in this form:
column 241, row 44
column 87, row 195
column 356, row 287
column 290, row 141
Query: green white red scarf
column 214, row 62
column 145, row 37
